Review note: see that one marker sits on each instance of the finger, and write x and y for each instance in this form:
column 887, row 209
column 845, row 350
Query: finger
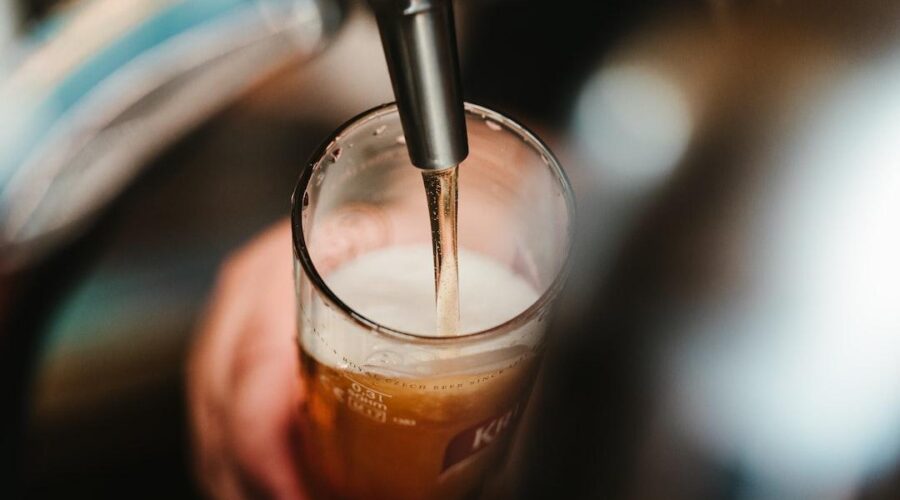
column 221, row 481
column 264, row 379
column 234, row 300
column 213, row 355
column 207, row 374
column 262, row 447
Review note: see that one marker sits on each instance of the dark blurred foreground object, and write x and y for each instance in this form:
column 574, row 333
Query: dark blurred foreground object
column 744, row 342
column 530, row 57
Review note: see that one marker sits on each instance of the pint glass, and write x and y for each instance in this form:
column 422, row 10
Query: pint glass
column 390, row 410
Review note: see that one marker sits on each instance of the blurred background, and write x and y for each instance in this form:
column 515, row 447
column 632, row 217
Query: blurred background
column 734, row 327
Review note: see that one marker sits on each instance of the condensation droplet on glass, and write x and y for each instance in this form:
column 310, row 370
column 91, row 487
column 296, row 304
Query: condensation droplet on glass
column 420, row 356
column 379, row 130
column 384, row 358
column 319, row 178
column 305, row 200
column 401, row 139
column 491, row 124
column 336, row 154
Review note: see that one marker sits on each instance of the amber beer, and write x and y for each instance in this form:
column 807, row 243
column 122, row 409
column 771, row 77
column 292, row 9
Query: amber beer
column 367, row 436
column 403, row 398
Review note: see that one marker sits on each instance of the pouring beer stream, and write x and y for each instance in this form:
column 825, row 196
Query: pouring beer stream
column 420, row 47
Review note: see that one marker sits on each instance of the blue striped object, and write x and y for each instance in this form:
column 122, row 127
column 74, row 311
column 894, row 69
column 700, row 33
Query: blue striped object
column 27, row 119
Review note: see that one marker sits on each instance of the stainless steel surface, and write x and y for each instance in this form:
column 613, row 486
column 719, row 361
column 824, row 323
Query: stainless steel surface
column 420, row 46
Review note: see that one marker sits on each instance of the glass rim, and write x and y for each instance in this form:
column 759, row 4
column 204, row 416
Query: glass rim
column 301, row 252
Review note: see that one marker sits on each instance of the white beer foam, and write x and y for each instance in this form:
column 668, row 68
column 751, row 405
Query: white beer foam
column 394, row 287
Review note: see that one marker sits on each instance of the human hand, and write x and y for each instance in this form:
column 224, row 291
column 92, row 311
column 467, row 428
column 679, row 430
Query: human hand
column 242, row 385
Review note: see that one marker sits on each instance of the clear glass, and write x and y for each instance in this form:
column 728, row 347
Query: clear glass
column 407, row 414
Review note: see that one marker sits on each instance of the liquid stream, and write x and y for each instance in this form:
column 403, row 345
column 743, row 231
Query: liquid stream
column 441, row 190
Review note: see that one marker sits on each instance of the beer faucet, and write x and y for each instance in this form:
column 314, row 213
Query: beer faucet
column 419, row 42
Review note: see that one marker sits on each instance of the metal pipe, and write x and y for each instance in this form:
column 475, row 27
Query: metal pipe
column 419, row 42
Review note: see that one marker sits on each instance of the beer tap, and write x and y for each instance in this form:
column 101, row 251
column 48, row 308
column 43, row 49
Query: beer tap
column 419, row 42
